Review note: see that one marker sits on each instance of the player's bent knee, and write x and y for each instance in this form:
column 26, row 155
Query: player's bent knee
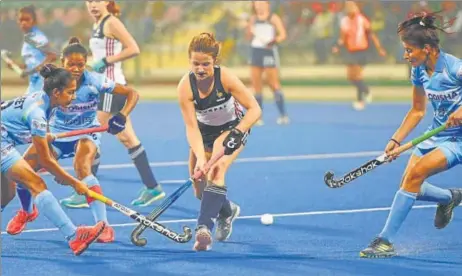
column 83, row 170
column 37, row 186
column 414, row 178
column 199, row 187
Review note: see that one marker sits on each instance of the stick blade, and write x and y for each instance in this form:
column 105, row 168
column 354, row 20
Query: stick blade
column 139, row 242
column 329, row 178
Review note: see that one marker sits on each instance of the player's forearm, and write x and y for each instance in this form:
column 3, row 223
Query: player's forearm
column 49, row 59
column 411, row 120
column 376, row 41
column 195, row 142
column 51, row 165
column 132, row 100
column 124, row 55
column 250, row 118
column 281, row 37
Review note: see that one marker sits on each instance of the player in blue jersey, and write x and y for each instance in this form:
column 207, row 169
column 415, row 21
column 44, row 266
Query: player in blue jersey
column 81, row 114
column 35, row 51
column 436, row 76
column 24, row 120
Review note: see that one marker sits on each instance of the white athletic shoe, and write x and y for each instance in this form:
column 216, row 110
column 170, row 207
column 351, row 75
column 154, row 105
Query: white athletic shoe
column 358, row 106
column 283, row 120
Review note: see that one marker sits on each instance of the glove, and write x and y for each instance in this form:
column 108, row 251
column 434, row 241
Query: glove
column 117, row 123
column 99, row 65
column 233, row 141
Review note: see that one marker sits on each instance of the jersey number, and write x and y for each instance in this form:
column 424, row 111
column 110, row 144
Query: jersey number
column 18, row 103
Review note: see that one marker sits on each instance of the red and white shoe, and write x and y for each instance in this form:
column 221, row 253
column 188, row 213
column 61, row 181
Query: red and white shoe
column 84, row 236
column 18, row 223
column 203, row 239
column 107, row 236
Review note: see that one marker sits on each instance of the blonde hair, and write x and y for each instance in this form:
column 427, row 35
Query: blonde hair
column 205, row 43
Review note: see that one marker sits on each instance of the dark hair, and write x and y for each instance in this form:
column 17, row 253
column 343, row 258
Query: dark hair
column 30, row 10
column 422, row 29
column 54, row 78
column 74, row 46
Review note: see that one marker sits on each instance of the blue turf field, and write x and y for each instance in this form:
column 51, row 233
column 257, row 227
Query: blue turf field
column 317, row 230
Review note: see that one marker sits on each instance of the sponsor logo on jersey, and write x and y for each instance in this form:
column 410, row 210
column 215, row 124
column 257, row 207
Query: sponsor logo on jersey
column 449, row 96
column 81, row 107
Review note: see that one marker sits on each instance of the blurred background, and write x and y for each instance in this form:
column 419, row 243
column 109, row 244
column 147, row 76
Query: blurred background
column 163, row 30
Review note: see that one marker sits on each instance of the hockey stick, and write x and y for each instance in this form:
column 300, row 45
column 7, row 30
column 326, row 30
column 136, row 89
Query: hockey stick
column 6, row 57
column 374, row 163
column 159, row 228
column 79, row 132
column 135, row 237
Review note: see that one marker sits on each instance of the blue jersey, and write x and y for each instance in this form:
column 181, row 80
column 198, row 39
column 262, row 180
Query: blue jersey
column 31, row 52
column 81, row 113
column 443, row 89
column 25, row 117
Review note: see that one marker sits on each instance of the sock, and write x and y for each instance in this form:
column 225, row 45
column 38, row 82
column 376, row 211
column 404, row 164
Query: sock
column 98, row 209
column 139, row 157
column 259, row 98
column 279, row 98
column 49, row 206
column 359, row 92
column 211, row 203
column 401, row 206
column 25, row 198
column 95, row 164
column 428, row 192
column 226, row 210
column 363, row 87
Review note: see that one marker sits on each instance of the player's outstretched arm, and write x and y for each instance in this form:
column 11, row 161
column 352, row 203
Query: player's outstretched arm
column 243, row 95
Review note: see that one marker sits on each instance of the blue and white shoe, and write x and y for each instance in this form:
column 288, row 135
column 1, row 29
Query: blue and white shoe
column 148, row 196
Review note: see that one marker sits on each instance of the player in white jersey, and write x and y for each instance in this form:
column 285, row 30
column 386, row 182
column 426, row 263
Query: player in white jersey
column 210, row 99
column 266, row 30
column 111, row 44
column 436, row 77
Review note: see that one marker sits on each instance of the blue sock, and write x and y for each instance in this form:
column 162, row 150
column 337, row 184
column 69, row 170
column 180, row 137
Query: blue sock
column 259, row 98
column 25, row 198
column 401, row 206
column 279, row 98
column 98, row 208
column 49, row 206
column 211, row 204
column 428, row 192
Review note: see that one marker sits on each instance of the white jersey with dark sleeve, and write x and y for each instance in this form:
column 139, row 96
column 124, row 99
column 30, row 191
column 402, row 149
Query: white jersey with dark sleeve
column 217, row 112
